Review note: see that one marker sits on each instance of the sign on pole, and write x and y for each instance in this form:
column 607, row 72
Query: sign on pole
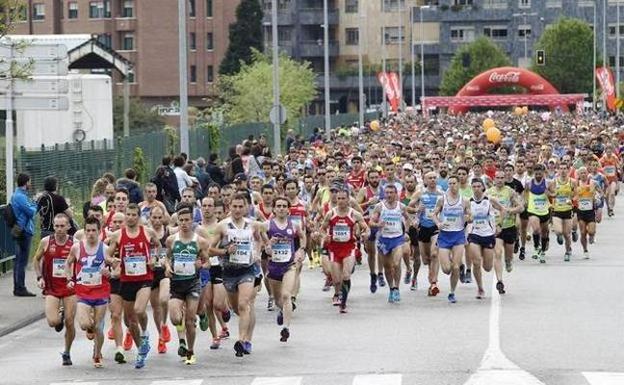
column 278, row 114
column 36, row 86
column 35, row 51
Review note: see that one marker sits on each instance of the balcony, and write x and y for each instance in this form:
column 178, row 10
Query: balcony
column 314, row 16
column 465, row 13
column 125, row 24
column 314, row 48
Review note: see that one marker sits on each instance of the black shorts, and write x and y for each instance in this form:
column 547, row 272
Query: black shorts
column 216, row 275
column 159, row 275
column 184, row 289
column 486, row 242
column 524, row 215
column 542, row 218
column 587, row 216
column 412, row 232
column 425, row 233
column 129, row 290
column 509, row 235
column 115, row 286
column 562, row 214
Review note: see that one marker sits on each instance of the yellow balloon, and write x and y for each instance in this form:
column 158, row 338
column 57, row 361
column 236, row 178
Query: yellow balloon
column 493, row 135
column 525, row 110
column 374, row 125
column 487, row 123
column 518, row 111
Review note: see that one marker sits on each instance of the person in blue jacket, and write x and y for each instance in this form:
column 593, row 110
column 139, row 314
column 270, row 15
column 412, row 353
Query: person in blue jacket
column 24, row 209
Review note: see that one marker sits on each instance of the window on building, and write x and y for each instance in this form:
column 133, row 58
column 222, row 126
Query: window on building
column 392, row 5
column 612, row 61
column 127, row 41
column 210, row 74
column 495, row 4
column 432, row 64
column 193, row 74
column 462, row 34
column 128, row 8
column 106, row 39
column 132, row 76
column 99, row 9
column 553, row 4
column 495, row 32
column 284, row 34
column 72, row 10
column 208, row 8
column 38, row 11
column 209, row 41
column 462, row 2
column 285, row 4
column 351, row 6
column 352, row 36
column 524, row 3
column 613, row 30
column 524, row 31
column 192, row 9
column 192, row 41
column 391, row 35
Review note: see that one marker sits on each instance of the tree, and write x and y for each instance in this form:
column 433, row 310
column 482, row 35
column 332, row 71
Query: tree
column 245, row 35
column 483, row 53
column 141, row 117
column 568, row 48
column 248, row 95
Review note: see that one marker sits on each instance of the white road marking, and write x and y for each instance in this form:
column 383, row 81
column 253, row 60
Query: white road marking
column 604, row 378
column 178, row 382
column 74, row 383
column 495, row 368
column 377, row 379
column 277, row 381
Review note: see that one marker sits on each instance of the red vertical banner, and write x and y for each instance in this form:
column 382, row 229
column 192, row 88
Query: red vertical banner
column 605, row 78
column 389, row 81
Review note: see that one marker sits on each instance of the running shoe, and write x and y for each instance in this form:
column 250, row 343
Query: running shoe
column 270, row 304
column 391, row 296
column 560, row 239
column 144, row 348
column 203, row 322
column 216, row 343
column 284, row 334
column 610, row 212
column 110, row 334
column 140, row 361
column 381, row 282
column 327, row 285
column 90, row 334
column 500, row 286
column 373, row 283
column 591, row 239
column 586, row 255
column 508, row 266
column 120, row 358
column 225, row 333
column 433, row 290
column 182, row 350
column 190, row 359
column 336, row 300
column 408, row 277
column 516, row 246
column 414, row 284
column 462, row 273
column 397, row 295
column 522, row 254
column 280, row 318
column 226, row 315
column 60, row 325
column 97, row 362
column 574, row 236
column 66, row 359
column 566, row 256
column 542, row 257
column 162, row 346
column 166, row 334
column 536, row 254
column 342, row 309
column 127, row 342
column 451, row 298
column 468, row 276
column 480, row 294
column 247, row 346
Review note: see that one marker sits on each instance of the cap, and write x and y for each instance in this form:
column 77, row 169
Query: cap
column 240, row 177
column 408, row 167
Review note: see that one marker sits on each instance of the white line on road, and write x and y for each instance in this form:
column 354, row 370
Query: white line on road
column 277, row 381
column 74, row 383
column 178, row 382
column 604, row 378
column 377, row 379
column 495, row 368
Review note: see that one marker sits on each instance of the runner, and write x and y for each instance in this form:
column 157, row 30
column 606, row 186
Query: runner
column 587, row 192
column 565, row 194
column 466, row 192
column 411, row 251
column 60, row 300
column 538, row 191
column 87, row 274
column 150, row 192
column 611, row 164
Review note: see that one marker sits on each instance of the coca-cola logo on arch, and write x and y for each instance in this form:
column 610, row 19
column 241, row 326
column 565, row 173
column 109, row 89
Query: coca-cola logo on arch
column 509, row 77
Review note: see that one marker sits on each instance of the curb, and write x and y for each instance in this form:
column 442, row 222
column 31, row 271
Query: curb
column 21, row 324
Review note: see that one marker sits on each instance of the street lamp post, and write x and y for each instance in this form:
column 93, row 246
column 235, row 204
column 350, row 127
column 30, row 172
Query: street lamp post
column 617, row 52
column 412, row 57
column 524, row 16
column 594, row 64
column 360, row 70
column 277, row 140
column 326, row 66
column 183, row 74
column 401, row 6
column 383, row 58
column 422, row 58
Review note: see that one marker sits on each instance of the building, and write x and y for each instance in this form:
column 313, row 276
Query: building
column 146, row 33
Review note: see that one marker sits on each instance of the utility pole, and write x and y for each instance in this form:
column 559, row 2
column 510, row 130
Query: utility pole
column 183, row 75
column 326, row 65
column 383, row 58
column 277, row 137
column 360, row 68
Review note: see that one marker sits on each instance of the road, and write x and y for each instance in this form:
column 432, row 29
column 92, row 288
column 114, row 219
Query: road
column 559, row 324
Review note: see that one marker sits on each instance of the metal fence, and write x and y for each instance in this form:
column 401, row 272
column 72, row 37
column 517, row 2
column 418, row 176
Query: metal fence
column 7, row 247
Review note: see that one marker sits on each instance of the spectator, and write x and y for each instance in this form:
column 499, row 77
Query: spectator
column 182, row 177
column 202, row 176
column 98, row 196
column 290, row 139
column 24, row 209
column 265, row 150
column 135, row 195
column 215, row 171
column 109, row 177
column 49, row 204
column 234, row 166
column 166, row 184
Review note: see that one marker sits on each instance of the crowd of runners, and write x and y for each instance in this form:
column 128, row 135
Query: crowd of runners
column 428, row 193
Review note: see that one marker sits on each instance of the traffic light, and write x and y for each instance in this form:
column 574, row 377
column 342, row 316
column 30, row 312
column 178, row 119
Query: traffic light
column 541, row 57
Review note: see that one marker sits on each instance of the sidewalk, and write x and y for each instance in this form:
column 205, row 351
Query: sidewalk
column 18, row 312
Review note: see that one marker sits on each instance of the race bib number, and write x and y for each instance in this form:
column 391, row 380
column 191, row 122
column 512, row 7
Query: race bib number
column 540, row 203
column 135, row 265
column 480, row 222
column 451, row 219
column 610, row 170
column 282, row 252
column 562, row 201
column 184, row 265
column 242, row 255
column 214, row 261
column 586, row 204
column 90, row 276
column 158, row 257
column 341, row 233
column 58, row 268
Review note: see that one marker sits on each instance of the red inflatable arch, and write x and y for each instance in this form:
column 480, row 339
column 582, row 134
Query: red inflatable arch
column 505, row 76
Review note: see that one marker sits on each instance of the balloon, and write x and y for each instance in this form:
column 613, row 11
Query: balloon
column 490, row 113
column 374, row 125
column 525, row 110
column 518, row 111
column 493, row 135
column 488, row 123
column 545, row 116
